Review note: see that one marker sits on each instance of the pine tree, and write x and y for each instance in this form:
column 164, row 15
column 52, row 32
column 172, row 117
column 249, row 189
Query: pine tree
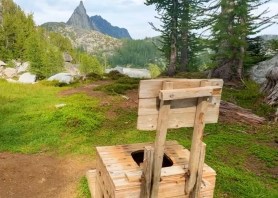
column 16, row 27
column 231, row 28
column 179, row 38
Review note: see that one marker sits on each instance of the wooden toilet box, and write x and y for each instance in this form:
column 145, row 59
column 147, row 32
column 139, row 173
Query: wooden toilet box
column 119, row 176
column 119, row 172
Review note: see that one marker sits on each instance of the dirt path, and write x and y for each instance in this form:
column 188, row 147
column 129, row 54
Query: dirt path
column 41, row 176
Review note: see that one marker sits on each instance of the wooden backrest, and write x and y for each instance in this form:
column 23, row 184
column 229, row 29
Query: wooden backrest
column 182, row 113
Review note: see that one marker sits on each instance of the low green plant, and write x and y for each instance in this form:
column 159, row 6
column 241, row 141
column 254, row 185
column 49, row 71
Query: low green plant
column 120, row 86
column 249, row 97
column 53, row 83
column 83, row 190
column 115, row 75
column 154, row 70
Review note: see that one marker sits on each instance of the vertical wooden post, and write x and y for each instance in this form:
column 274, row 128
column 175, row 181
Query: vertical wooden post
column 147, row 172
column 160, row 140
column 98, row 190
column 197, row 137
column 196, row 191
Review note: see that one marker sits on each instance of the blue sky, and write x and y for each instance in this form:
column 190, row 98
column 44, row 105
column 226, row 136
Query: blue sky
column 130, row 14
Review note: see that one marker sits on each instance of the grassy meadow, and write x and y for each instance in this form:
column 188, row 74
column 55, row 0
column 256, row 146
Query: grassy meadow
column 244, row 157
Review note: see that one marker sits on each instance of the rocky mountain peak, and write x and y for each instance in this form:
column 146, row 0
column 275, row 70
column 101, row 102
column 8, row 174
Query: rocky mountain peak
column 80, row 19
column 106, row 28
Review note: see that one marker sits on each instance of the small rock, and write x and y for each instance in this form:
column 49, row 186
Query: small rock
column 42, row 180
column 23, row 68
column 67, row 57
column 125, row 97
column 27, row 78
column 73, row 69
column 62, row 78
column 2, row 63
column 9, row 72
column 259, row 71
column 58, row 106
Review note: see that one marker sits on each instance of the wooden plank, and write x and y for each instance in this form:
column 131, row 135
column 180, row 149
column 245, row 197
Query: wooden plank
column 146, row 179
column 197, row 189
column 176, row 120
column 177, row 94
column 197, row 136
column 151, row 88
column 160, row 140
column 91, row 178
column 150, row 106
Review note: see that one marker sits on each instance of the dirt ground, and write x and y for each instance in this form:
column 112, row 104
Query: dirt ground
column 33, row 176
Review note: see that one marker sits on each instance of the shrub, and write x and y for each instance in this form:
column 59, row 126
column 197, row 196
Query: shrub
column 120, row 86
column 115, row 75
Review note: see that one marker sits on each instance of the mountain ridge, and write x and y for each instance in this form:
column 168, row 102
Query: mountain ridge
column 80, row 19
column 105, row 27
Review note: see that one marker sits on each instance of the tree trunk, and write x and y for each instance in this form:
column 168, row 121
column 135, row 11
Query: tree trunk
column 270, row 87
column 232, row 113
column 184, row 52
column 173, row 53
column 184, row 59
column 229, row 68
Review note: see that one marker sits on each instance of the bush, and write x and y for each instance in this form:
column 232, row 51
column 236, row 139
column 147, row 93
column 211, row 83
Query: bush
column 53, row 83
column 93, row 76
column 115, row 75
column 90, row 64
column 120, row 86
column 154, row 70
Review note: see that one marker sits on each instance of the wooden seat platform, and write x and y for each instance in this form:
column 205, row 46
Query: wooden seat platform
column 119, row 175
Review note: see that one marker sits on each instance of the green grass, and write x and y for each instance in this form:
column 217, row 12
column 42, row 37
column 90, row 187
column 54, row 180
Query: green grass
column 83, row 190
column 249, row 97
column 243, row 156
column 31, row 123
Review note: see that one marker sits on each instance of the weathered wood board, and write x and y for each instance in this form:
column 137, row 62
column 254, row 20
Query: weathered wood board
column 182, row 112
column 119, row 176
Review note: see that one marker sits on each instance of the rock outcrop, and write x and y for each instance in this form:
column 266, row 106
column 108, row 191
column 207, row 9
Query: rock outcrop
column 62, row 78
column 80, row 19
column 259, row 71
column 2, row 63
column 92, row 41
column 9, row 72
column 27, row 78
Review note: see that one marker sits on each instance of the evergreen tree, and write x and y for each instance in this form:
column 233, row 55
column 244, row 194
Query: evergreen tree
column 60, row 41
column 136, row 53
column 90, row 64
column 16, row 27
column 230, row 29
column 179, row 38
